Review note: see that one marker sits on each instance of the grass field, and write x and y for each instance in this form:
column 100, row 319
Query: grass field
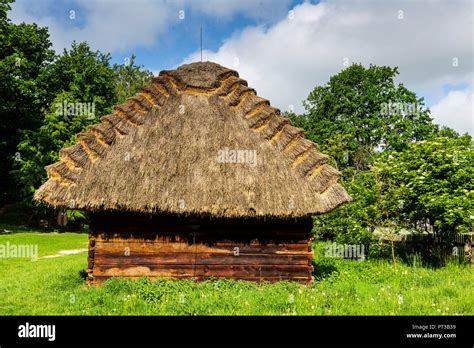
column 55, row 286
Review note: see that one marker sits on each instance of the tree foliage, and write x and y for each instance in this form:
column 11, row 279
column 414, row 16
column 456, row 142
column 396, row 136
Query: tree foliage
column 78, row 77
column 41, row 147
column 361, row 110
column 87, row 76
column 400, row 169
column 24, row 55
column 430, row 183
column 129, row 78
column 354, row 222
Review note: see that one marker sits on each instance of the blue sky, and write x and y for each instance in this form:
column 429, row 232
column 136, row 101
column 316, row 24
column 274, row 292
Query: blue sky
column 283, row 47
column 183, row 34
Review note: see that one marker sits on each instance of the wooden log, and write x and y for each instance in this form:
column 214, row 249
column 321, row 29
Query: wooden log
column 468, row 249
column 135, row 245
column 120, row 246
column 202, row 259
column 90, row 261
column 161, row 236
column 203, row 270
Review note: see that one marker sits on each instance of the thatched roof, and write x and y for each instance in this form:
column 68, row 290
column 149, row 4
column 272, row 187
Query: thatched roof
column 170, row 149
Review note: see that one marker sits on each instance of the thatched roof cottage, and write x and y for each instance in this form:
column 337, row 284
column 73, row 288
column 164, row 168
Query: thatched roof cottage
column 196, row 176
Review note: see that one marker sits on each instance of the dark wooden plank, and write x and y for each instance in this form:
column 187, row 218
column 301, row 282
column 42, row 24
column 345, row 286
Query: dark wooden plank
column 161, row 245
column 203, row 270
column 203, row 258
column 120, row 246
column 90, row 260
column 208, row 238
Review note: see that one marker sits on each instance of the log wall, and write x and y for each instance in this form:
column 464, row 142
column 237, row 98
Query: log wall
column 167, row 246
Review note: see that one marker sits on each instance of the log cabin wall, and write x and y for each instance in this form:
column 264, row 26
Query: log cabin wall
column 130, row 245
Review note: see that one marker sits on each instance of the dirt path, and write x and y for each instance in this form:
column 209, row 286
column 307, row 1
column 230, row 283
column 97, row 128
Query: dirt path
column 64, row 253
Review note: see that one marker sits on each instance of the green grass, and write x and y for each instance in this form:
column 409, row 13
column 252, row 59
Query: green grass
column 342, row 287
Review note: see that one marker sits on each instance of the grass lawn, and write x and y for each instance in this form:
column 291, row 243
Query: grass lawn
column 54, row 286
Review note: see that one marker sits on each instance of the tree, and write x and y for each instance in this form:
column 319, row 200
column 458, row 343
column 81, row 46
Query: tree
column 354, row 222
column 86, row 75
column 447, row 132
column 24, row 55
column 79, row 80
column 79, row 77
column 359, row 114
column 41, row 147
column 361, row 110
column 429, row 184
column 130, row 78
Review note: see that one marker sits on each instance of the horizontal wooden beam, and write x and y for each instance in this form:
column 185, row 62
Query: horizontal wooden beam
column 202, row 259
column 167, row 237
column 222, row 248
column 230, row 271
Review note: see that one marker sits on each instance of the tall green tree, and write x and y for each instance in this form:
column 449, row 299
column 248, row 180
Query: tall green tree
column 429, row 184
column 79, row 77
column 86, row 75
column 361, row 110
column 25, row 52
column 41, row 147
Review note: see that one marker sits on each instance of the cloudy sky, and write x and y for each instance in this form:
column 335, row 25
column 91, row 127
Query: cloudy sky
column 283, row 48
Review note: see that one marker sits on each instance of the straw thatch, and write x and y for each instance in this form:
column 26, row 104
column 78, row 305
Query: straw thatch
column 159, row 152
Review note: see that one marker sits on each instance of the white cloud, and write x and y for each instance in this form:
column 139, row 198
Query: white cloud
column 111, row 25
column 106, row 25
column 285, row 61
column 456, row 110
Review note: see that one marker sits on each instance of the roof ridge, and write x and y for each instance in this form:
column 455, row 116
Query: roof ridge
column 198, row 77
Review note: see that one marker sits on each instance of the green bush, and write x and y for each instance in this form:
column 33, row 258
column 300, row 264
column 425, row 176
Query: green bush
column 352, row 222
column 355, row 235
column 380, row 250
